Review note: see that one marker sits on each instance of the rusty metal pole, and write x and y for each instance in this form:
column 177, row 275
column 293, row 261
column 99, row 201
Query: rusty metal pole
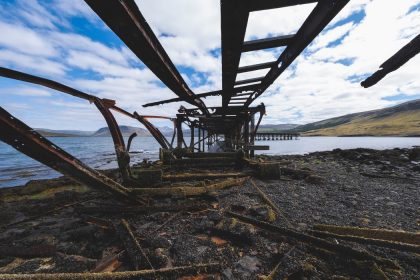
column 179, row 132
column 252, row 152
column 123, row 157
column 192, row 138
column 29, row 142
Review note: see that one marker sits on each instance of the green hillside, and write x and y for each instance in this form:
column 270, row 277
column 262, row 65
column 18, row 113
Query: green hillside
column 400, row 120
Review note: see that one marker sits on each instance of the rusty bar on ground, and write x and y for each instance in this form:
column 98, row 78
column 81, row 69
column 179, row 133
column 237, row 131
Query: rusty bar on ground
column 150, row 274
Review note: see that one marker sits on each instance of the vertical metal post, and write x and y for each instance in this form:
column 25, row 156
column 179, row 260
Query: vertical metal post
column 179, row 132
column 252, row 152
column 202, row 139
column 199, row 139
column 192, row 138
column 246, row 134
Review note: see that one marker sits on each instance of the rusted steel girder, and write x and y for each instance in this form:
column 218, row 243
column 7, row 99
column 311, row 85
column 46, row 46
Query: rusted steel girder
column 26, row 140
column 126, row 20
column 234, row 19
column 103, row 106
column 159, row 137
column 317, row 20
column 205, row 94
column 394, row 62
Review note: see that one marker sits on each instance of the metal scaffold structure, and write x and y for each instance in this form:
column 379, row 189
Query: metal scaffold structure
column 234, row 123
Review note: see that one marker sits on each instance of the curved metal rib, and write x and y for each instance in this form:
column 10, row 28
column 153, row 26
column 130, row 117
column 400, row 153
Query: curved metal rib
column 26, row 140
column 126, row 21
column 103, row 106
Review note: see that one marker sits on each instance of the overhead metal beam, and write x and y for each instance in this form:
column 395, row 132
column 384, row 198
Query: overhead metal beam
column 273, row 42
column 317, row 20
column 248, row 81
column 205, row 94
column 103, row 106
column 394, row 62
column 29, row 142
column 234, row 19
column 254, row 67
column 273, row 4
column 16, row 75
column 126, row 20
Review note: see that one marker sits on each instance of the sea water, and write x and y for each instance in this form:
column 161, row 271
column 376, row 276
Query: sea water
column 98, row 152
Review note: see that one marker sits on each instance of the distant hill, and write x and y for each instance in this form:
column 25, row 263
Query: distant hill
column 400, row 120
column 63, row 133
column 125, row 130
column 276, row 127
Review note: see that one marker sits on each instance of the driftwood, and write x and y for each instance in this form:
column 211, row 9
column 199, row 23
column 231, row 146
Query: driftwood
column 189, row 191
column 110, row 263
column 204, row 162
column 391, row 235
column 164, row 273
column 202, row 176
column 273, row 274
column 165, row 222
column 103, row 223
column 49, row 212
column 132, row 246
column 28, row 252
column 270, row 203
column 315, row 241
column 369, row 270
column 140, row 210
column 370, row 241
column 378, row 175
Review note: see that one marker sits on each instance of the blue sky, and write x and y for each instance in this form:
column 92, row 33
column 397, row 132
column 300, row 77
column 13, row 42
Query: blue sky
column 65, row 41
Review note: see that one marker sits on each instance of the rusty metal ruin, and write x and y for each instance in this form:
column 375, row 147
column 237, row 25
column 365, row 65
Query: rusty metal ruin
column 234, row 122
column 393, row 63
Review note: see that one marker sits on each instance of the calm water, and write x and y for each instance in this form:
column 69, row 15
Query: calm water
column 97, row 152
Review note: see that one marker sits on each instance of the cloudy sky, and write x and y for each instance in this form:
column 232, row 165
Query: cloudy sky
column 65, row 41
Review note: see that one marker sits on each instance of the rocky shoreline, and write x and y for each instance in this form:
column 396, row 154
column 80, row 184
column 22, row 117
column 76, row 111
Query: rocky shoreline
column 60, row 226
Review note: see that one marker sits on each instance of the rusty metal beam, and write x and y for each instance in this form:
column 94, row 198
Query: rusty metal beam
column 16, row 75
column 394, row 62
column 103, row 106
column 127, row 22
column 29, row 142
column 274, row 4
column 267, row 43
column 205, row 94
column 210, row 93
column 248, row 81
column 163, row 142
column 317, row 20
column 234, row 18
column 254, row 67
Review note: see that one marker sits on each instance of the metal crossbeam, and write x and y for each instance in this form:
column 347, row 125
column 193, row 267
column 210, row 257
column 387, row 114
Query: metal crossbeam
column 273, row 4
column 205, row 94
column 267, row 43
column 320, row 16
column 234, row 18
column 248, row 81
column 254, row 67
column 28, row 141
column 394, row 62
column 126, row 20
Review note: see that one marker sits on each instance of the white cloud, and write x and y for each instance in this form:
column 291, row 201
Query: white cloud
column 25, row 40
column 318, row 85
column 27, row 91
column 283, row 21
